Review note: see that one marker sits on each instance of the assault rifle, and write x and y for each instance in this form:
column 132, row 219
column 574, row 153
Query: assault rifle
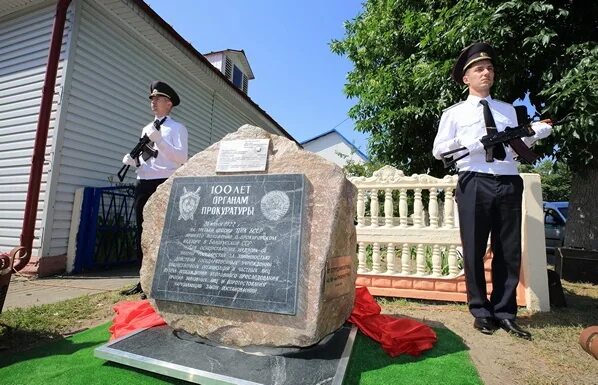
column 142, row 147
column 511, row 136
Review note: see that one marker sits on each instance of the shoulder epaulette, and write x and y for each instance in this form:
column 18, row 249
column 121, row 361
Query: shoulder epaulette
column 453, row 106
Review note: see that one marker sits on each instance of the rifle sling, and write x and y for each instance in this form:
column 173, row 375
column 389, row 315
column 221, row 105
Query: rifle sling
column 523, row 151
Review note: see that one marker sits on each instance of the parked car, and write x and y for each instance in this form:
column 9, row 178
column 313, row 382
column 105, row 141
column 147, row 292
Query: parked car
column 555, row 219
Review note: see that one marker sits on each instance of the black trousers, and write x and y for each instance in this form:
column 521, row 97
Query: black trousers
column 491, row 205
column 143, row 191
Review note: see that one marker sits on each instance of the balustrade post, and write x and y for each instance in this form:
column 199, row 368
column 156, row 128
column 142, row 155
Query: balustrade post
column 390, row 259
column 405, row 260
column 420, row 260
column 361, row 265
column 376, row 267
column 452, row 261
column 388, row 208
column 433, row 207
column 374, row 207
column 436, row 261
column 403, row 214
column 449, row 206
column 417, row 208
column 360, row 208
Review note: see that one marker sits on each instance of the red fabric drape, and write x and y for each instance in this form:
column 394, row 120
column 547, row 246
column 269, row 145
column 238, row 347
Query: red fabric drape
column 133, row 315
column 396, row 335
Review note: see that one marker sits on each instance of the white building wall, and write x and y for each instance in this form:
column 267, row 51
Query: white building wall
column 24, row 45
column 111, row 51
column 329, row 146
column 227, row 118
column 216, row 60
column 106, row 104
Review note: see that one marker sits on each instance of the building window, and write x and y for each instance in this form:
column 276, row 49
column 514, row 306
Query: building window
column 237, row 77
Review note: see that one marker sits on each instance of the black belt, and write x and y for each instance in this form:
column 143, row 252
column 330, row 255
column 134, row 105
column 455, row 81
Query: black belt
column 476, row 174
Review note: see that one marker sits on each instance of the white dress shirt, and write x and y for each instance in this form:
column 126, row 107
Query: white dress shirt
column 462, row 125
column 172, row 150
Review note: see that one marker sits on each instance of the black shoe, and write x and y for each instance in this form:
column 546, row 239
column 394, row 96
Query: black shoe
column 511, row 327
column 134, row 290
column 485, row 325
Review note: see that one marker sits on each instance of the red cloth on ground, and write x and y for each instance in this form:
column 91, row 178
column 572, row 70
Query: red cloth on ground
column 133, row 315
column 396, row 335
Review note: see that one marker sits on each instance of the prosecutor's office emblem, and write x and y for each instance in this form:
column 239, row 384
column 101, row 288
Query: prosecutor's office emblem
column 188, row 203
column 275, row 205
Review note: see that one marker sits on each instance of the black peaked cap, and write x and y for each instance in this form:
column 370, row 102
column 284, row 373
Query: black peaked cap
column 160, row 88
column 469, row 55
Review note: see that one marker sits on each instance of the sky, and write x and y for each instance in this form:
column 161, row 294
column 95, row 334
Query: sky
column 298, row 80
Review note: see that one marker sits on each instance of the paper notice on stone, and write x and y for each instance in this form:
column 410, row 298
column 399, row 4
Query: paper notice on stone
column 242, row 155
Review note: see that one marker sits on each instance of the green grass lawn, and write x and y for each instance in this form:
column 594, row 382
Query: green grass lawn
column 71, row 361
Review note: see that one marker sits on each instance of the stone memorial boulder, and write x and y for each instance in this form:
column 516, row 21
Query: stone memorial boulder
column 262, row 258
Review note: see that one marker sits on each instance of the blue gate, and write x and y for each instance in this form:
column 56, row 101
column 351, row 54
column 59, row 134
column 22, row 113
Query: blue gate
column 107, row 228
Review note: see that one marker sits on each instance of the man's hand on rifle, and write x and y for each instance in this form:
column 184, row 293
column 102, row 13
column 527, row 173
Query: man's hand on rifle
column 154, row 135
column 129, row 161
column 472, row 144
column 542, row 128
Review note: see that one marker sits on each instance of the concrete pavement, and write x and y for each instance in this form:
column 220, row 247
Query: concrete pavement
column 26, row 292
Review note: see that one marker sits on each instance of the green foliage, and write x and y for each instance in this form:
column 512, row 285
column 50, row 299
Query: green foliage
column 403, row 52
column 366, row 169
column 556, row 179
column 576, row 93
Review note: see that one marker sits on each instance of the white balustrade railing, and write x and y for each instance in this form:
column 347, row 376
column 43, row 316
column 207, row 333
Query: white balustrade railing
column 413, row 243
column 423, row 241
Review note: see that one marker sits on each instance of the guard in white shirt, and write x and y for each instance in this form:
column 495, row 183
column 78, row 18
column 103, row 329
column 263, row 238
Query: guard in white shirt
column 489, row 190
column 166, row 151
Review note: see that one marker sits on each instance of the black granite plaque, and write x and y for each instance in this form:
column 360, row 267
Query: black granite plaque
column 232, row 241
column 158, row 350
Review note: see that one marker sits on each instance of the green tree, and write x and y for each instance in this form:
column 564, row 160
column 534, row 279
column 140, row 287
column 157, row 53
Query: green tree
column 556, row 179
column 403, row 52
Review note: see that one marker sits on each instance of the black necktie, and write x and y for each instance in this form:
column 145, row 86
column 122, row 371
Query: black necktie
column 158, row 123
column 498, row 150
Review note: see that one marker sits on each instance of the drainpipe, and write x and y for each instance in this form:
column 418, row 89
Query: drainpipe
column 19, row 256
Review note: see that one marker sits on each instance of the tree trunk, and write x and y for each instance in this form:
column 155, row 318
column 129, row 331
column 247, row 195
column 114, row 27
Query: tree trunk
column 582, row 224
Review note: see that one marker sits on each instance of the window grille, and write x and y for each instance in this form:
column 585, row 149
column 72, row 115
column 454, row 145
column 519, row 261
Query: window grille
column 245, row 81
column 228, row 68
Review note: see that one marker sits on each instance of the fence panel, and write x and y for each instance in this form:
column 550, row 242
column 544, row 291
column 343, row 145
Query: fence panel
column 107, row 230
column 408, row 241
